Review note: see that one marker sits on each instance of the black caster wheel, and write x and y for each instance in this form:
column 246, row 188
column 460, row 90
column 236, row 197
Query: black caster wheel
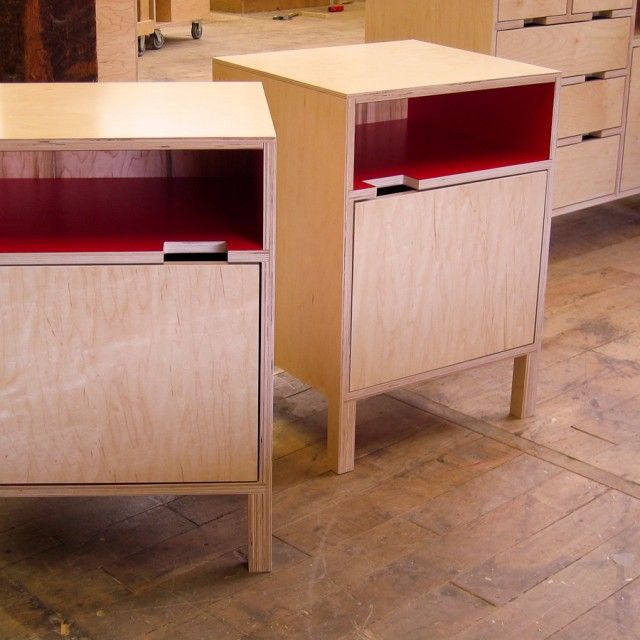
column 156, row 39
column 141, row 46
column 196, row 30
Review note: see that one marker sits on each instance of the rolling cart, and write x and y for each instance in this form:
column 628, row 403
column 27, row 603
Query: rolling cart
column 152, row 12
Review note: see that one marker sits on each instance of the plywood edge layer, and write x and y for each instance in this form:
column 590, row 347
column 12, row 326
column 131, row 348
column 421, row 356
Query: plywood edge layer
column 26, row 259
column 134, row 144
column 65, row 490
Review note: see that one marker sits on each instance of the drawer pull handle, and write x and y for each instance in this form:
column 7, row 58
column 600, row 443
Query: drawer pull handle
column 195, row 251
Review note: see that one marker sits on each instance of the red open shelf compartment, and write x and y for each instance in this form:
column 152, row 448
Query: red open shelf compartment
column 457, row 133
column 134, row 214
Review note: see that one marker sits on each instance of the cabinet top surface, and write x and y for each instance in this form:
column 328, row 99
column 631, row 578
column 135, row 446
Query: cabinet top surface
column 380, row 67
column 134, row 112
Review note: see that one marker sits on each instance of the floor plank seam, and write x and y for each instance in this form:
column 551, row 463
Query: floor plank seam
column 530, row 447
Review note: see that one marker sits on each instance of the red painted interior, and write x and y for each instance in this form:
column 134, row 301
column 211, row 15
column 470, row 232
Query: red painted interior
column 128, row 214
column 458, row 133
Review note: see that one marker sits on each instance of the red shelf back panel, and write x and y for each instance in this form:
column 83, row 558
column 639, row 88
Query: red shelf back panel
column 128, row 214
column 458, row 133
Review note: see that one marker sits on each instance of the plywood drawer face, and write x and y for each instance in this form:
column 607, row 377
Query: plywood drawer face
column 129, row 374
column 444, row 276
column 585, row 6
column 181, row 10
column 631, row 164
column 591, row 106
column 524, row 9
column 575, row 49
column 586, row 170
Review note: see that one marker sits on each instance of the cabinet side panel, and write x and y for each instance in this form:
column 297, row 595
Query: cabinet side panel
column 455, row 23
column 631, row 164
column 445, row 276
column 310, row 227
column 116, row 40
column 128, row 374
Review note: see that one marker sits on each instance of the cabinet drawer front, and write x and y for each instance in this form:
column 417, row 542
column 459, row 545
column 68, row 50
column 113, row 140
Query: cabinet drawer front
column 444, row 276
column 181, row 10
column 575, row 49
column 129, row 374
column 586, row 6
column 631, row 164
column 524, row 9
column 586, row 170
column 591, row 106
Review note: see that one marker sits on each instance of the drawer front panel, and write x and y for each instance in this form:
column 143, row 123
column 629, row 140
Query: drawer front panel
column 444, row 276
column 586, row 170
column 586, row 6
column 591, row 106
column 631, row 164
column 575, row 49
column 524, row 9
column 129, row 374
column 181, row 10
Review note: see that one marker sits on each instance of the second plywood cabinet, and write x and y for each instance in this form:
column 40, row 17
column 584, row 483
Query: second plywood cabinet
column 412, row 238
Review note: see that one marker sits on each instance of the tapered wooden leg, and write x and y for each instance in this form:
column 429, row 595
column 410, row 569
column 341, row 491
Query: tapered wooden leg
column 341, row 435
column 524, row 386
column 259, row 520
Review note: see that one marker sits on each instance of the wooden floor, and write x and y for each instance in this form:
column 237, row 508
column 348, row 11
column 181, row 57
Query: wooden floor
column 490, row 528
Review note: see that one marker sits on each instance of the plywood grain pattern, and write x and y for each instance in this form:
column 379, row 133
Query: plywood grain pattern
column 309, row 227
column 116, row 42
column 600, row 5
column 445, row 276
column 524, row 9
column 116, row 374
column 586, row 170
column 436, row 21
column 591, row 106
column 125, row 163
column 381, row 111
column 110, row 164
column 575, row 49
column 107, row 115
column 38, row 164
column 394, row 68
column 181, row 10
column 631, row 162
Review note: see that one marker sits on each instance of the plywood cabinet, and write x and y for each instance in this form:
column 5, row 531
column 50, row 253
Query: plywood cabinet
column 135, row 292
column 589, row 41
column 412, row 239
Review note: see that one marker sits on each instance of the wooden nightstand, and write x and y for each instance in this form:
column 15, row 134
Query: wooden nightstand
column 136, row 291
column 413, row 203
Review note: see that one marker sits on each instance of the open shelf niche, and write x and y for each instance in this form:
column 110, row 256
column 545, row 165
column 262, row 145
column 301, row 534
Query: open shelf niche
column 130, row 200
column 431, row 137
